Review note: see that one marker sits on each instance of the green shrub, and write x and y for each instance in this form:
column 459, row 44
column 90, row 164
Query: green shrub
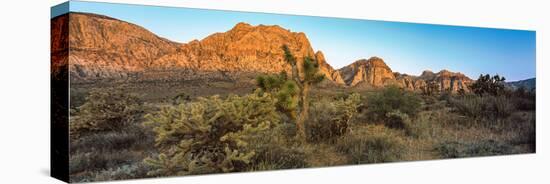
column 181, row 98
column 277, row 149
column 399, row 120
column 105, row 110
column 210, row 135
column 455, row 149
column 389, row 100
column 490, row 107
column 331, row 118
column 379, row 147
column 279, row 157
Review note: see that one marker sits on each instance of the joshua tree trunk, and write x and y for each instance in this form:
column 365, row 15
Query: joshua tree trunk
column 304, row 113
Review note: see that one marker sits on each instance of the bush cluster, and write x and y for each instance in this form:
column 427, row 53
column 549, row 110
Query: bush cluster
column 392, row 99
column 211, row 134
column 331, row 118
column 375, row 147
column 105, row 110
column 489, row 107
column 455, row 149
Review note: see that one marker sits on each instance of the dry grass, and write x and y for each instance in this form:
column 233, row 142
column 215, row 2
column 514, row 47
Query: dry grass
column 445, row 127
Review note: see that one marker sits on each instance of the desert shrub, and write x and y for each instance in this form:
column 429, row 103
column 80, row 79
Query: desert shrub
column 181, row 98
column 78, row 97
column 375, row 147
column 455, row 149
column 210, row 135
column 414, row 128
column 105, row 110
column 331, row 118
column 132, row 137
column 524, row 104
column 127, row 171
column 491, row 107
column 277, row 149
column 523, row 125
column 389, row 100
column 100, row 160
column 445, row 95
column 280, row 157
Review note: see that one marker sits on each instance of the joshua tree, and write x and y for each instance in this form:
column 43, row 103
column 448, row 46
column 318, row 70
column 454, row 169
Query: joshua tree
column 293, row 90
column 486, row 84
column 308, row 75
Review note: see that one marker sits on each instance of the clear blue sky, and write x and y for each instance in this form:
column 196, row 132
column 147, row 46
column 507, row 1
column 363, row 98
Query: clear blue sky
column 406, row 47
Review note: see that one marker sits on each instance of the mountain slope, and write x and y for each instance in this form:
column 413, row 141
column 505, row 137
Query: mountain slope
column 105, row 48
column 528, row 84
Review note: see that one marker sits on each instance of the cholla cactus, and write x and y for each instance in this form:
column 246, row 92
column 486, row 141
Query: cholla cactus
column 105, row 110
column 209, row 135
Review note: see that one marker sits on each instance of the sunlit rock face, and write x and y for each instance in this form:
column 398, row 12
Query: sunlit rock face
column 105, row 48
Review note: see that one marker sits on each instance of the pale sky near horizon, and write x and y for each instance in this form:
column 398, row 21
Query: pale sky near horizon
column 406, row 47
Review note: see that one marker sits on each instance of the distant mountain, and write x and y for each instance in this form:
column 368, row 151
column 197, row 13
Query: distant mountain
column 528, row 84
column 104, row 48
column 375, row 72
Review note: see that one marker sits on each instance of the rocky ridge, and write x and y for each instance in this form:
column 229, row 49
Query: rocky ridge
column 106, row 48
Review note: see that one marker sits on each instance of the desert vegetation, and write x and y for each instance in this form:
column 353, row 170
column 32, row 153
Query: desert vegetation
column 286, row 121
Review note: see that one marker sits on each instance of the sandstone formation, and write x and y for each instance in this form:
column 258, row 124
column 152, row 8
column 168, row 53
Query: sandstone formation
column 106, row 48
column 103, row 48
column 376, row 73
column 326, row 69
column 372, row 71
column 446, row 80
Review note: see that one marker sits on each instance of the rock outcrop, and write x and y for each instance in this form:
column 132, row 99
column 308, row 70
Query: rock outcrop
column 102, row 47
column 376, row 73
column 105, row 48
column 372, row 71
column 326, row 69
column 446, row 80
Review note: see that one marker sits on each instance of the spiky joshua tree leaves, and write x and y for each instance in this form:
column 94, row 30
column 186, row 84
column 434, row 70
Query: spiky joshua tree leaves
column 486, row 84
column 292, row 91
column 209, row 135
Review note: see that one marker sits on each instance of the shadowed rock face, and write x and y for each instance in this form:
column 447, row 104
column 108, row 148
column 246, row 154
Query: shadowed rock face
column 106, row 48
column 102, row 47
